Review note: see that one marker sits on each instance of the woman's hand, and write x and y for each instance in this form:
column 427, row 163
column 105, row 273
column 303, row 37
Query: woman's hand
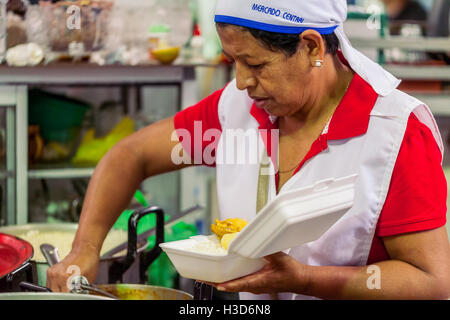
column 79, row 262
column 282, row 273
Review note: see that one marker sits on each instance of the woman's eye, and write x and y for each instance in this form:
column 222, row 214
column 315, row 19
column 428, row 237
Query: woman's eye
column 255, row 66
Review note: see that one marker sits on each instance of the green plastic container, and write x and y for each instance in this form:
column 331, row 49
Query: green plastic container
column 161, row 272
column 58, row 116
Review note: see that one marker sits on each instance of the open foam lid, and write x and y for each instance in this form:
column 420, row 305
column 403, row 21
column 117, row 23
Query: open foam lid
column 295, row 217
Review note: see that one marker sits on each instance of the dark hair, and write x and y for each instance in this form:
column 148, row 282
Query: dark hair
column 286, row 43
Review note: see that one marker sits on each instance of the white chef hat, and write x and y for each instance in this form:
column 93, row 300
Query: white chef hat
column 296, row 16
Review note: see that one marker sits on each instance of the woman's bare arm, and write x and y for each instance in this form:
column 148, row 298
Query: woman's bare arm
column 144, row 154
column 419, row 269
column 118, row 175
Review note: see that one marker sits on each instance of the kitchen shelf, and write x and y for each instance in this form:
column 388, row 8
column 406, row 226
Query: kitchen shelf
column 396, row 42
column 13, row 103
column 410, row 71
column 59, row 171
column 438, row 103
column 6, row 174
column 15, row 83
column 85, row 73
column 414, row 72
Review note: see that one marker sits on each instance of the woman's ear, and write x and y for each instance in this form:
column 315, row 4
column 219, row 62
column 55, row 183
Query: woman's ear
column 314, row 47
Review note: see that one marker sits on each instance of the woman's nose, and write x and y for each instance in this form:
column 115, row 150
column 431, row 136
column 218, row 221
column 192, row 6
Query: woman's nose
column 244, row 78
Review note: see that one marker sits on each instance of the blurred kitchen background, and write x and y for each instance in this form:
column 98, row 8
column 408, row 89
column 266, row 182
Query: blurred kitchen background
column 73, row 83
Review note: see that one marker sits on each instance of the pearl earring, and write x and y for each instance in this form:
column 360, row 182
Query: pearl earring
column 319, row 63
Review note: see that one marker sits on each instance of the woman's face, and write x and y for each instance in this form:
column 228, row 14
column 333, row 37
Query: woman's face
column 279, row 84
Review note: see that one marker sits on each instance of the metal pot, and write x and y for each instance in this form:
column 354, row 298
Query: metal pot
column 129, row 266
column 120, row 291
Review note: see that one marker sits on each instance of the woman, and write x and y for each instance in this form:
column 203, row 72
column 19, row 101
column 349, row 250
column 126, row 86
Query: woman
column 337, row 114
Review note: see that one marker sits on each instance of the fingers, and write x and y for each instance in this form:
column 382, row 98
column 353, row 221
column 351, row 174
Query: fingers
column 253, row 283
column 209, row 283
column 275, row 276
column 229, row 286
column 247, row 284
column 75, row 264
column 266, row 280
column 56, row 278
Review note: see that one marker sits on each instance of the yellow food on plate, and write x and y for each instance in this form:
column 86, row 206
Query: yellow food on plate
column 233, row 225
column 226, row 239
column 166, row 55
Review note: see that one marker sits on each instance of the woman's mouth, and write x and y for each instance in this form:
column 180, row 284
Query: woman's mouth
column 260, row 102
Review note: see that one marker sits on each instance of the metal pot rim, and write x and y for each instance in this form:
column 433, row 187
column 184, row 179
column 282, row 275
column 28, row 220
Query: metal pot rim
column 51, row 295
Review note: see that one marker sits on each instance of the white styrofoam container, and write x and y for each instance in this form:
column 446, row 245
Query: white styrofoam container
column 208, row 267
column 291, row 219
